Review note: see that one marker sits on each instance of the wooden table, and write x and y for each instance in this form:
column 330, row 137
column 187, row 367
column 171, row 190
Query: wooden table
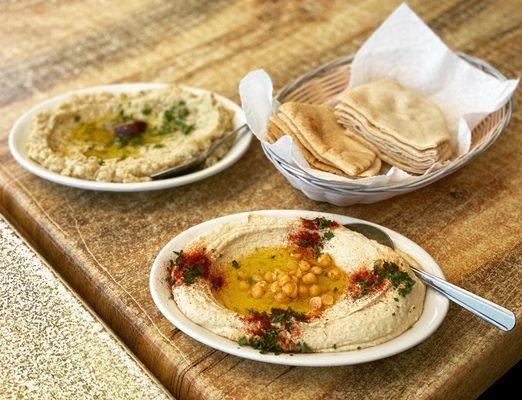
column 104, row 244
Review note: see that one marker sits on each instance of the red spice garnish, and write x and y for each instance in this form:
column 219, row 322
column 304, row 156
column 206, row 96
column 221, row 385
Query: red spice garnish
column 305, row 239
column 309, row 224
column 319, row 223
column 311, row 239
column 260, row 324
column 217, row 281
column 366, row 282
column 189, row 266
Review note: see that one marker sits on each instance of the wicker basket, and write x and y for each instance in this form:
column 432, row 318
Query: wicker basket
column 327, row 81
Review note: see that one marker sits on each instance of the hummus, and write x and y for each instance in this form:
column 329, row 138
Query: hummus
column 295, row 285
column 127, row 137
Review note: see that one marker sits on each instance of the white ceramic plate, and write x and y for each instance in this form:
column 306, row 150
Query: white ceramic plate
column 435, row 306
column 21, row 129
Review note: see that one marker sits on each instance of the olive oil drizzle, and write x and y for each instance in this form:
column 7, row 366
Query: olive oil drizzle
column 100, row 141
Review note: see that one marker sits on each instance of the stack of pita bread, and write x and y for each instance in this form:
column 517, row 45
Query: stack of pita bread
column 401, row 127
column 322, row 141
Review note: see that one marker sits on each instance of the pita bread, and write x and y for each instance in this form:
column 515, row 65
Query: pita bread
column 402, row 127
column 317, row 129
column 278, row 129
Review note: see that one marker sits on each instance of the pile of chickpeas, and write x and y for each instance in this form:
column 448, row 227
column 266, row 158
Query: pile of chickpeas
column 300, row 281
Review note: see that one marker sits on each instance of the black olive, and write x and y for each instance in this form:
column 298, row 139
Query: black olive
column 130, row 128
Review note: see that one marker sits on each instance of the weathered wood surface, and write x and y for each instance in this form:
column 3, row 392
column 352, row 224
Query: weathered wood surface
column 104, row 244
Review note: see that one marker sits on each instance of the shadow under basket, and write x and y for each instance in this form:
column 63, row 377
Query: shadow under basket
column 323, row 84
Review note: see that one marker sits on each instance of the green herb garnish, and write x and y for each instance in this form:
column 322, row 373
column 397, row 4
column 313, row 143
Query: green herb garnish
column 328, row 235
column 400, row 280
column 323, row 223
column 266, row 337
column 190, row 275
column 175, row 119
column 382, row 270
column 235, row 264
column 305, row 348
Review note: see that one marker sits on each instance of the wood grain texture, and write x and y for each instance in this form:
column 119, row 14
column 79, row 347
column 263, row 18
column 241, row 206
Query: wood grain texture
column 104, row 244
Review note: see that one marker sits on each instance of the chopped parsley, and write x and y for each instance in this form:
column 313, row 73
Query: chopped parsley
column 122, row 140
column 268, row 343
column 175, row 119
column 400, row 280
column 328, row 235
column 368, row 281
column 323, row 223
column 269, row 331
column 235, row 264
column 190, row 275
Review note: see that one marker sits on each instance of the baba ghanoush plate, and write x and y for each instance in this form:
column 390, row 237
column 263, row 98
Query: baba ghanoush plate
column 296, row 288
column 113, row 138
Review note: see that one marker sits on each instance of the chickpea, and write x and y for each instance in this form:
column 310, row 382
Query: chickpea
column 334, row 274
column 284, row 278
column 304, row 265
column 324, row 260
column 299, row 273
column 269, row 277
column 292, row 266
column 289, row 288
column 296, row 256
column 295, row 293
column 275, row 287
column 242, row 274
column 309, row 278
column 303, row 291
column 262, row 284
column 257, row 278
column 327, row 299
column 280, row 297
column 257, row 292
column 315, row 290
column 317, row 270
column 316, row 303
column 243, row 285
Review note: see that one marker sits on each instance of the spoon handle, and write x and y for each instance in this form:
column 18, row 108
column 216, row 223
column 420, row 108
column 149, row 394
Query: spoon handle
column 485, row 309
column 222, row 140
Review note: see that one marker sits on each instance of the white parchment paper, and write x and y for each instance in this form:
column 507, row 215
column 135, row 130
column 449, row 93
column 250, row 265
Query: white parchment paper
column 407, row 50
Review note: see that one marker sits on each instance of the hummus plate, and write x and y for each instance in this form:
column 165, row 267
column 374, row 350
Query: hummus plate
column 434, row 311
column 21, row 130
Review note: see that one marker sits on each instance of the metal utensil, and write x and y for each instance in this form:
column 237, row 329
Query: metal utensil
column 195, row 163
column 485, row 309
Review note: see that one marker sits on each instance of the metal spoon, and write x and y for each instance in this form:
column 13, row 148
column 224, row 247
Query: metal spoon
column 195, row 163
column 485, row 309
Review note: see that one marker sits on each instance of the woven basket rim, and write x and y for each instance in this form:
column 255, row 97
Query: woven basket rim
column 353, row 187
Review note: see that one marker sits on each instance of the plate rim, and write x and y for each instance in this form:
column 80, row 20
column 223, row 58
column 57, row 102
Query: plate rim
column 19, row 129
column 437, row 313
